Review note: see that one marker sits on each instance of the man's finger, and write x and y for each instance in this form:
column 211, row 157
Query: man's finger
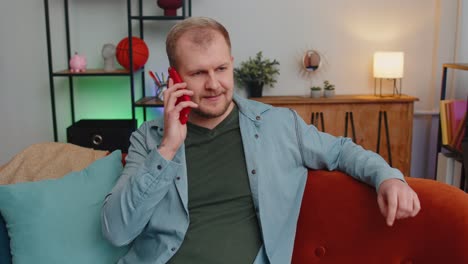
column 416, row 205
column 405, row 205
column 184, row 104
column 173, row 95
column 392, row 205
column 382, row 205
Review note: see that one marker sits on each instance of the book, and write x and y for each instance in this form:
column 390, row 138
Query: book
column 443, row 122
column 452, row 113
column 445, row 164
column 457, row 173
column 459, row 134
column 449, row 120
column 457, row 111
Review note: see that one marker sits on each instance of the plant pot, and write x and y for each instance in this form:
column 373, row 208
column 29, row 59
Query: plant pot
column 254, row 89
column 315, row 93
column 170, row 6
column 329, row 93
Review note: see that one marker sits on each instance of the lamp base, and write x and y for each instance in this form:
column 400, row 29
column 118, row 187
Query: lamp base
column 397, row 91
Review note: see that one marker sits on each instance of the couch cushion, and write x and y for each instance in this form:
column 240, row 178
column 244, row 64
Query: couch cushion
column 5, row 257
column 58, row 220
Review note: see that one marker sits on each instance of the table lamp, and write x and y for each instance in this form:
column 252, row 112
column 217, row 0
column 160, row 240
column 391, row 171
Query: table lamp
column 388, row 65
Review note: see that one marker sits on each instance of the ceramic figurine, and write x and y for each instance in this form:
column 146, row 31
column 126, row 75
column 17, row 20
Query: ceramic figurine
column 108, row 54
column 78, row 63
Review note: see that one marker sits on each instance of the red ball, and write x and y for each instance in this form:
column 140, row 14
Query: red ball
column 140, row 53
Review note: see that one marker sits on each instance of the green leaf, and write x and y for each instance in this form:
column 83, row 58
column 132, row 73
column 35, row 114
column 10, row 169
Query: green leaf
column 257, row 69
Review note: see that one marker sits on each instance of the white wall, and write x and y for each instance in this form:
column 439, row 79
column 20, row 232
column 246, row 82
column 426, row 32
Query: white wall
column 24, row 95
column 346, row 33
column 460, row 90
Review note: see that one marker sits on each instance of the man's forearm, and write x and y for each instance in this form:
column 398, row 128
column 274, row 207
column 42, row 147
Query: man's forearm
column 141, row 187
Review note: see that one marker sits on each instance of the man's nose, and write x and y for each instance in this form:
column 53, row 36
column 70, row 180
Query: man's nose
column 212, row 82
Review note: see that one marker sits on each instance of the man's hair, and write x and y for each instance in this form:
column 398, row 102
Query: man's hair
column 202, row 31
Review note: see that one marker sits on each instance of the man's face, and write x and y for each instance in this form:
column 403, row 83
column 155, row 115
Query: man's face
column 208, row 71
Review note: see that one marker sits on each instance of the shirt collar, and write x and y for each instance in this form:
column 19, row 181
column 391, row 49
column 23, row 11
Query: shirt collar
column 251, row 109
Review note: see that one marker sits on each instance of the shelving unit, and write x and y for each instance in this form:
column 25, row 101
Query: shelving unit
column 149, row 101
column 458, row 155
column 143, row 102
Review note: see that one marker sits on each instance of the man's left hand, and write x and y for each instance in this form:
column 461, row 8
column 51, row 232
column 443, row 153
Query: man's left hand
column 397, row 200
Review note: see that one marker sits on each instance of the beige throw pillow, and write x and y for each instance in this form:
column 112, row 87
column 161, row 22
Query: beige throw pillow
column 49, row 160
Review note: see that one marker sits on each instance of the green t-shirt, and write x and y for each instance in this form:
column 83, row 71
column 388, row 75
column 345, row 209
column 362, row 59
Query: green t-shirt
column 223, row 223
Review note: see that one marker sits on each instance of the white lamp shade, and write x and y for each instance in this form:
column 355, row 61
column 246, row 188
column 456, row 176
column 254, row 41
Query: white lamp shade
column 388, row 65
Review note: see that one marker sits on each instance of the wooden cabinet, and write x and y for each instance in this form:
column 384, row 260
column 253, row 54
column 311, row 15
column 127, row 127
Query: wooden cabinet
column 381, row 124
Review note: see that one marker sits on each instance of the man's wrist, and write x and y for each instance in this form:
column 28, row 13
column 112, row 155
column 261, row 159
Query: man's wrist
column 166, row 152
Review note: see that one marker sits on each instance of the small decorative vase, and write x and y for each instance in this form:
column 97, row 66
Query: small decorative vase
column 329, row 93
column 254, row 89
column 170, row 6
column 315, row 93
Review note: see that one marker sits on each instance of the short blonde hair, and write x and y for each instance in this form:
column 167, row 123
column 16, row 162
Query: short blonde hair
column 202, row 29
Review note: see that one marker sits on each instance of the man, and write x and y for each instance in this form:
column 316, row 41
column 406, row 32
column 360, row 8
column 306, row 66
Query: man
column 227, row 186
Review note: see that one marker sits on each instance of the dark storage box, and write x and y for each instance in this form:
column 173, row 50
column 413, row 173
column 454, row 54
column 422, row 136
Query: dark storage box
column 102, row 134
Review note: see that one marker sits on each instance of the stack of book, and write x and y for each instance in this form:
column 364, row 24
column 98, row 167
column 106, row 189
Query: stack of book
column 453, row 115
column 449, row 169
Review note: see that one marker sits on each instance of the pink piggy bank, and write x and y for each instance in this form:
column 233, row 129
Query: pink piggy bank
column 78, row 63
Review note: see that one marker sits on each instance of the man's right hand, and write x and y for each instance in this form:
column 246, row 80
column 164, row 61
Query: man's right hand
column 174, row 131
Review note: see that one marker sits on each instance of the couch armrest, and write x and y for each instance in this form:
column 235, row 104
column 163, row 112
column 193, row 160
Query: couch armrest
column 340, row 222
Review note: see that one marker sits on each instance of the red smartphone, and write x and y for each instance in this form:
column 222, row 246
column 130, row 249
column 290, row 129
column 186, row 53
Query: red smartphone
column 177, row 79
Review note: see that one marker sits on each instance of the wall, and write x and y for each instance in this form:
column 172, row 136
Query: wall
column 346, row 33
column 461, row 84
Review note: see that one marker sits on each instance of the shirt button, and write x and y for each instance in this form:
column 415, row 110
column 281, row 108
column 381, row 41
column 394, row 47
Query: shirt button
column 256, row 135
column 161, row 129
column 177, row 178
column 254, row 171
column 173, row 249
column 258, row 117
column 159, row 167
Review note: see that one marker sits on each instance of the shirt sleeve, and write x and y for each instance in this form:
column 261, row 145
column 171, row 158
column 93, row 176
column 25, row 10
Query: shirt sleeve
column 324, row 151
column 144, row 182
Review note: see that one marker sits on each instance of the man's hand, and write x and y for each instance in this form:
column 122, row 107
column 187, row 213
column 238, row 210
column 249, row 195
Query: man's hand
column 174, row 131
column 397, row 200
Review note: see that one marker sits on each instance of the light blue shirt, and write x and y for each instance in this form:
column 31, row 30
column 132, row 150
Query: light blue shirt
column 148, row 205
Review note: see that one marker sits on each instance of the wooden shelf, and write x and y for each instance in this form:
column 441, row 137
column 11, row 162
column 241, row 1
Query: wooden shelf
column 459, row 66
column 458, row 154
column 149, row 101
column 159, row 17
column 337, row 99
column 93, row 72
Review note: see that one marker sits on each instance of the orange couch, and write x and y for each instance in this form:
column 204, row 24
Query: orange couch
column 340, row 222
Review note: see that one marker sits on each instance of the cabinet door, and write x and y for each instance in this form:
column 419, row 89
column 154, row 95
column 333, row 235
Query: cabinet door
column 301, row 109
column 365, row 121
column 400, row 131
column 386, row 128
column 360, row 122
column 333, row 118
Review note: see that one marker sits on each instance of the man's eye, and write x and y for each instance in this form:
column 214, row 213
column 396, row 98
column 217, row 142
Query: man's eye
column 222, row 68
column 197, row 73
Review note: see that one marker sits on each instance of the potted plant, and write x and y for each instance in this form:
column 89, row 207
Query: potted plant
column 255, row 73
column 329, row 89
column 315, row 91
